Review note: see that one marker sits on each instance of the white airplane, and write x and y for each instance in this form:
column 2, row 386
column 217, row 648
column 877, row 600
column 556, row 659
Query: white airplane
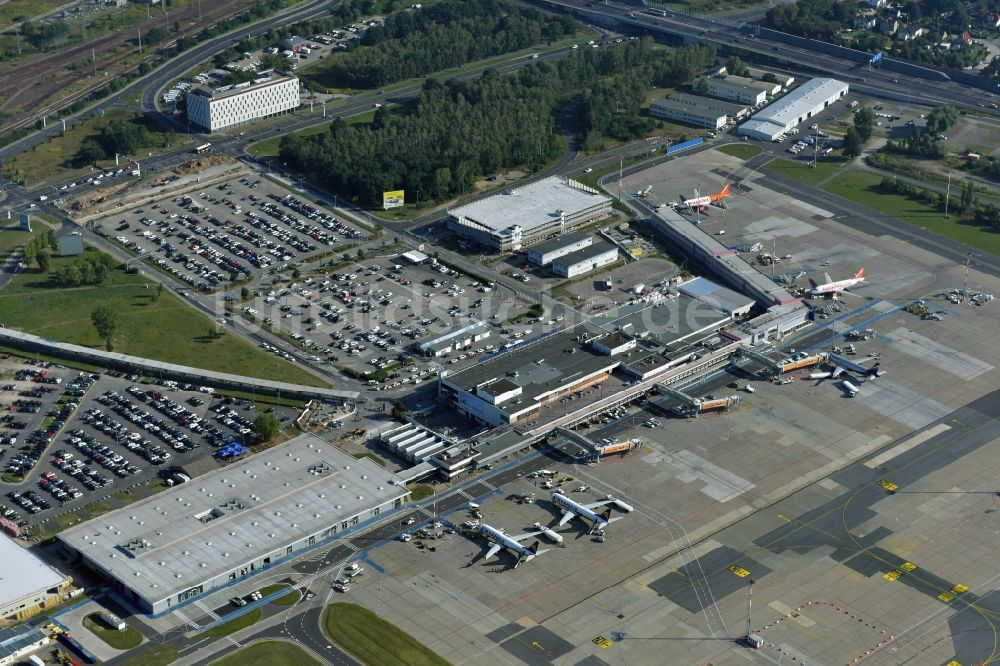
column 700, row 203
column 839, row 286
column 585, row 511
column 845, row 364
column 499, row 540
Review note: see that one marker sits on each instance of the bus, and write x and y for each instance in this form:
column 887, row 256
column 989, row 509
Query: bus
column 203, row 148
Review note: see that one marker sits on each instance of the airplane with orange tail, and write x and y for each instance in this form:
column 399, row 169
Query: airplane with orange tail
column 700, row 203
column 838, row 287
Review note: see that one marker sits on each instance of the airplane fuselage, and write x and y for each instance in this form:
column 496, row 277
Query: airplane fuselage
column 836, row 287
column 581, row 511
column 494, row 535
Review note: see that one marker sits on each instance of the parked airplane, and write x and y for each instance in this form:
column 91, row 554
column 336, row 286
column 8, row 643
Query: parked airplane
column 700, row 203
column 844, row 364
column 837, row 287
column 499, row 540
column 585, row 511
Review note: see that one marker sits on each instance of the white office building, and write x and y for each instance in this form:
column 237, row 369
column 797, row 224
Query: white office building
column 235, row 522
column 585, row 260
column 735, row 89
column 545, row 253
column 27, row 584
column 524, row 216
column 798, row 106
column 231, row 106
column 696, row 110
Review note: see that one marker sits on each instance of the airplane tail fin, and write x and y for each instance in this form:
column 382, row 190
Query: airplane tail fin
column 860, row 273
column 606, row 515
column 725, row 191
column 534, row 548
column 872, row 371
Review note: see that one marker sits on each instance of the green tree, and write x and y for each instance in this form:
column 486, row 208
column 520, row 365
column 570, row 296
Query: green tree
column 737, row 67
column 267, row 426
column 769, row 77
column 244, row 293
column 965, row 203
column 44, row 259
column 701, row 86
column 91, row 151
column 107, row 321
column 360, row 253
column 852, row 143
column 864, row 123
column 399, row 410
column 941, row 119
column 30, row 251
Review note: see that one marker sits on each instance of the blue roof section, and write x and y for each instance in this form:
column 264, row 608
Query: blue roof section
column 15, row 639
column 699, row 287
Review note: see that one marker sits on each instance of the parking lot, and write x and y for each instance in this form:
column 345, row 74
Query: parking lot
column 79, row 438
column 212, row 236
column 363, row 315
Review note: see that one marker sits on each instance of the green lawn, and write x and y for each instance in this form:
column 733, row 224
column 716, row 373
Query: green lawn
column 862, row 187
column 373, row 640
column 11, row 237
column 166, row 329
column 161, row 655
column 368, row 454
column 419, row 491
column 269, row 653
column 126, row 639
column 802, row 171
column 269, row 147
column 231, row 627
column 284, row 600
column 743, row 149
column 53, row 160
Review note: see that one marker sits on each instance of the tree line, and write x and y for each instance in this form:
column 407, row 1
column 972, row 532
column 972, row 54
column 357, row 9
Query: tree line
column 460, row 131
column 447, row 34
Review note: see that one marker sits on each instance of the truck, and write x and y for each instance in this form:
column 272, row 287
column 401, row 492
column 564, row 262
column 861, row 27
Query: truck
column 113, row 620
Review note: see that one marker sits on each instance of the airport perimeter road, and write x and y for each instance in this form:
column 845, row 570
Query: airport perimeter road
column 694, row 28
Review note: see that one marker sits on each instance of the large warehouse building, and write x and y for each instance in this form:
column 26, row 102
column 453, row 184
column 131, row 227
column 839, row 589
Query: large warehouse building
column 524, row 216
column 583, row 261
column 736, row 89
column 546, row 252
column 27, row 585
column 202, row 535
column 696, row 110
column 796, row 107
column 216, row 109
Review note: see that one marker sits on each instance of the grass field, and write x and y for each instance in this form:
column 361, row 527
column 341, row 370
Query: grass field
column 269, row 653
column 231, row 627
column 743, row 150
column 862, row 187
column 420, row 491
column 11, row 238
column 161, row 655
column 166, row 329
column 53, row 160
column 119, row 640
column 285, row 599
column 372, row 456
column 801, row 171
column 373, row 640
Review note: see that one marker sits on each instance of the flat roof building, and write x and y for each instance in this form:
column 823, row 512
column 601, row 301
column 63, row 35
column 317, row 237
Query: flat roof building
column 18, row 641
column 524, row 216
column 733, row 303
column 27, row 585
column 545, row 252
column 735, row 88
column 268, row 95
column 797, row 106
column 203, row 535
column 460, row 338
column 784, row 80
column 696, row 110
column 585, row 260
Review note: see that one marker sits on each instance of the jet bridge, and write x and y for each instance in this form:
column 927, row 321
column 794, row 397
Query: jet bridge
column 772, row 367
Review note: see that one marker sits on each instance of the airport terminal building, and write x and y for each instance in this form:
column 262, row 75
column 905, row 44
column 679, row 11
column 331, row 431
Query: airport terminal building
column 524, row 216
column 794, row 108
column 203, row 535
column 230, row 106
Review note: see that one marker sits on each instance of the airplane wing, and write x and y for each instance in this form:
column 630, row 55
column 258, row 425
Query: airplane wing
column 566, row 517
column 839, row 370
column 521, row 537
column 828, row 278
column 597, row 505
column 494, row 549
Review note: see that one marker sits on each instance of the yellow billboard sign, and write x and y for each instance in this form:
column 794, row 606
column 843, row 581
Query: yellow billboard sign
column 393, row 199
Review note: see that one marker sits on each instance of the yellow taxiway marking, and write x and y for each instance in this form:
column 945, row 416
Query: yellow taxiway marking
column 602, row 642
column 908, row 566
column 958, row 589
column 737, row 570
column 893, row 575
column 946, row 596
column 888, row 485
